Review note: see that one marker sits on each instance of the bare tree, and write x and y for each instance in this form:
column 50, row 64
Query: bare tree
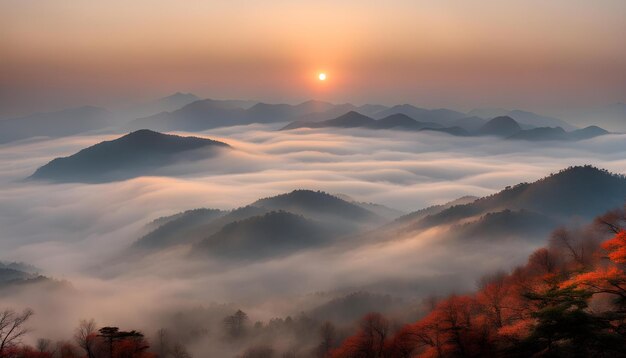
column 44, row 345
column 163, row 343
column 86, row 336
column 179, row 351
column 12, row 328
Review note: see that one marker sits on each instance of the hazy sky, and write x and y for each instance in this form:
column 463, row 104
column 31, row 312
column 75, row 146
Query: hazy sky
column 456, row 53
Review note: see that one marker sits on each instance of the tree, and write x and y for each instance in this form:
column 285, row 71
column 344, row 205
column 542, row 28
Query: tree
column 369, row 342
column 44, row 345
column 179, row 351
column 86, row 336
column 163, row 343
column 493, row 297
column 165, row 347
column 109, row 334
column 125, row 343
column 327, row 339
column 236, row 324
column 566, row 328
column 12, row 328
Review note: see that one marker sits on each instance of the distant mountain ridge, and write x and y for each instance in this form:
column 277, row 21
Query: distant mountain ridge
column 503, row 126
column 207, row 114
column 524, row 117
column 442, row 116
column 187, row 112
column 164, row 104
column 137, row 153
column 355, row 119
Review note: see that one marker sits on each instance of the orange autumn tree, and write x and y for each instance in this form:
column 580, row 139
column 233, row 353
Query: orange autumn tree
column 608, row 282
column 568, row 300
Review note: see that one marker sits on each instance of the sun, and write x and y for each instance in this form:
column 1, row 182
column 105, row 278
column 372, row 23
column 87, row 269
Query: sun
column 322, row 76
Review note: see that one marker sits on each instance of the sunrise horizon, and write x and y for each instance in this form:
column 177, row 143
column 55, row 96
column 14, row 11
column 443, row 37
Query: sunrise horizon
column 312, row 179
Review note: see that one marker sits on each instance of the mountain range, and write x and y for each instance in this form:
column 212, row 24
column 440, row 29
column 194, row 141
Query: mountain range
column 301, row 219
column 142, row 152
column 528, row 118
column 187, row 112
column 208, row 113
column 503, row 126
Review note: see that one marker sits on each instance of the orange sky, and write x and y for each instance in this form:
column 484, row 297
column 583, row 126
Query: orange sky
column 454, row 53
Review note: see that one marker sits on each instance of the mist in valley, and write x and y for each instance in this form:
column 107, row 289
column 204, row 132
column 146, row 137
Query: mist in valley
column 81, row 235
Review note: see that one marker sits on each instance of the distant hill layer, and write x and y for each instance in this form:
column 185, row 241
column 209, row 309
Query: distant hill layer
column 208, row 113
column 138, row 153
column 503, row 126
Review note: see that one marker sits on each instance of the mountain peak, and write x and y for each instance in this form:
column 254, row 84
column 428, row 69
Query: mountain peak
column 500, row 126
column 351, row 119
column 134, row 154
column 587, row 171
column 303, row 201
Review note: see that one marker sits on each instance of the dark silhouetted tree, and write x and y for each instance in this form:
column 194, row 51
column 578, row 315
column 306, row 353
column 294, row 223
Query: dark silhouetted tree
column 236, row 324
column 86, row 336
column 12, row 328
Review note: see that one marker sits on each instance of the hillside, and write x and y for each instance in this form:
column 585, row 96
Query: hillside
column 138, row 153
column 178, row 230
column 573, row 192
column 324, row 209
column 317, row 204
column 272, row 234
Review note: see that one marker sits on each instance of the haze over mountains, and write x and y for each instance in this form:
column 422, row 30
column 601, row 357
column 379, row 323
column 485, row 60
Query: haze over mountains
column 303, row 219
column 206, row 114
column 333, row 256
column 187, row 112
column 164, row 104
column 503, row 126
column 267, row 227
column 527, row 209
column 138, row 153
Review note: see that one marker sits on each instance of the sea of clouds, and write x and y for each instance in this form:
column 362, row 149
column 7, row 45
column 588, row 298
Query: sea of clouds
column 80, row 232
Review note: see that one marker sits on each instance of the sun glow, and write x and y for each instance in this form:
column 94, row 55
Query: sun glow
column 322, row 76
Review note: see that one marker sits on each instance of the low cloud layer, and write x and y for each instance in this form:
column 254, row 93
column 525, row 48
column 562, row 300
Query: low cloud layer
column 78, row 231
